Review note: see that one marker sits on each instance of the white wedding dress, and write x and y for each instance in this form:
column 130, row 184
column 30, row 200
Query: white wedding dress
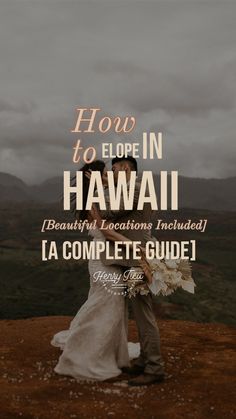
column 95, row 346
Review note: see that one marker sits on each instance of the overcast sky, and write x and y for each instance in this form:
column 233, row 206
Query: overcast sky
column 171, row 64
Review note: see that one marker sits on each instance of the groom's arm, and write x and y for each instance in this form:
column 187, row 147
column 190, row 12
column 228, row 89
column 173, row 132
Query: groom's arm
column 110, row 214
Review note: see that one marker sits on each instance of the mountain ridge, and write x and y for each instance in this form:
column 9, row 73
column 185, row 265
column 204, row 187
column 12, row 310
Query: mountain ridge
column 194, row 192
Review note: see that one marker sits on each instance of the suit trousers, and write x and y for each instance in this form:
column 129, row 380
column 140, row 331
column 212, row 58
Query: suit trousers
column 150, row 356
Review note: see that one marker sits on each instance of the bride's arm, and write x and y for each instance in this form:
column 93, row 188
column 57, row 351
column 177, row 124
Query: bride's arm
column 108, row 233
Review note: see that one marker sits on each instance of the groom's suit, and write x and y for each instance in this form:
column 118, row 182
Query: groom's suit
column 150, row 356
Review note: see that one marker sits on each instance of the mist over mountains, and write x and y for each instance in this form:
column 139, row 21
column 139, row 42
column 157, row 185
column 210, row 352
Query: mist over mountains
column 211, row 194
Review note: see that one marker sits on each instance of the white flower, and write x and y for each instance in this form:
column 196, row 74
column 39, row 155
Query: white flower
column 157, row 286
column 172, row 264
column 168, row 275
column 175, row 278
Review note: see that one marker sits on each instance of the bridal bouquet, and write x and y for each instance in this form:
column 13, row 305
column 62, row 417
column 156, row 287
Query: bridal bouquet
column 167, row 276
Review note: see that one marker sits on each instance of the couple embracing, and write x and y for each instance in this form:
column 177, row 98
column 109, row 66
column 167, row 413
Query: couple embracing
column 96, row 347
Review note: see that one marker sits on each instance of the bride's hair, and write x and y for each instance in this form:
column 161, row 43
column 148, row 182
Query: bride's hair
column 97, row 165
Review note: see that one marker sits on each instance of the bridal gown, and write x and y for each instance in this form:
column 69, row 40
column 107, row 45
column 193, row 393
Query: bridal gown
column 95, row 345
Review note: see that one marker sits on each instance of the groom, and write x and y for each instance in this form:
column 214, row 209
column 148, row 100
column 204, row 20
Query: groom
column 148, row 368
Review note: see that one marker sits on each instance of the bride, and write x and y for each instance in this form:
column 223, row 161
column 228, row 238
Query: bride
column 95, row 345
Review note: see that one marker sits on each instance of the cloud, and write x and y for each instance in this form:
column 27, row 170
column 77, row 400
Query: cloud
column 170, row 64
column 10, row 107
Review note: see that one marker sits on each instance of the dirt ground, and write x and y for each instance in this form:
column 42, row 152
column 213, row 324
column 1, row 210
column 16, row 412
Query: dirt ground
column 200, row 366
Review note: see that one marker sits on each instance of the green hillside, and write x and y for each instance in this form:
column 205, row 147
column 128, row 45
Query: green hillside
column 30, row 287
